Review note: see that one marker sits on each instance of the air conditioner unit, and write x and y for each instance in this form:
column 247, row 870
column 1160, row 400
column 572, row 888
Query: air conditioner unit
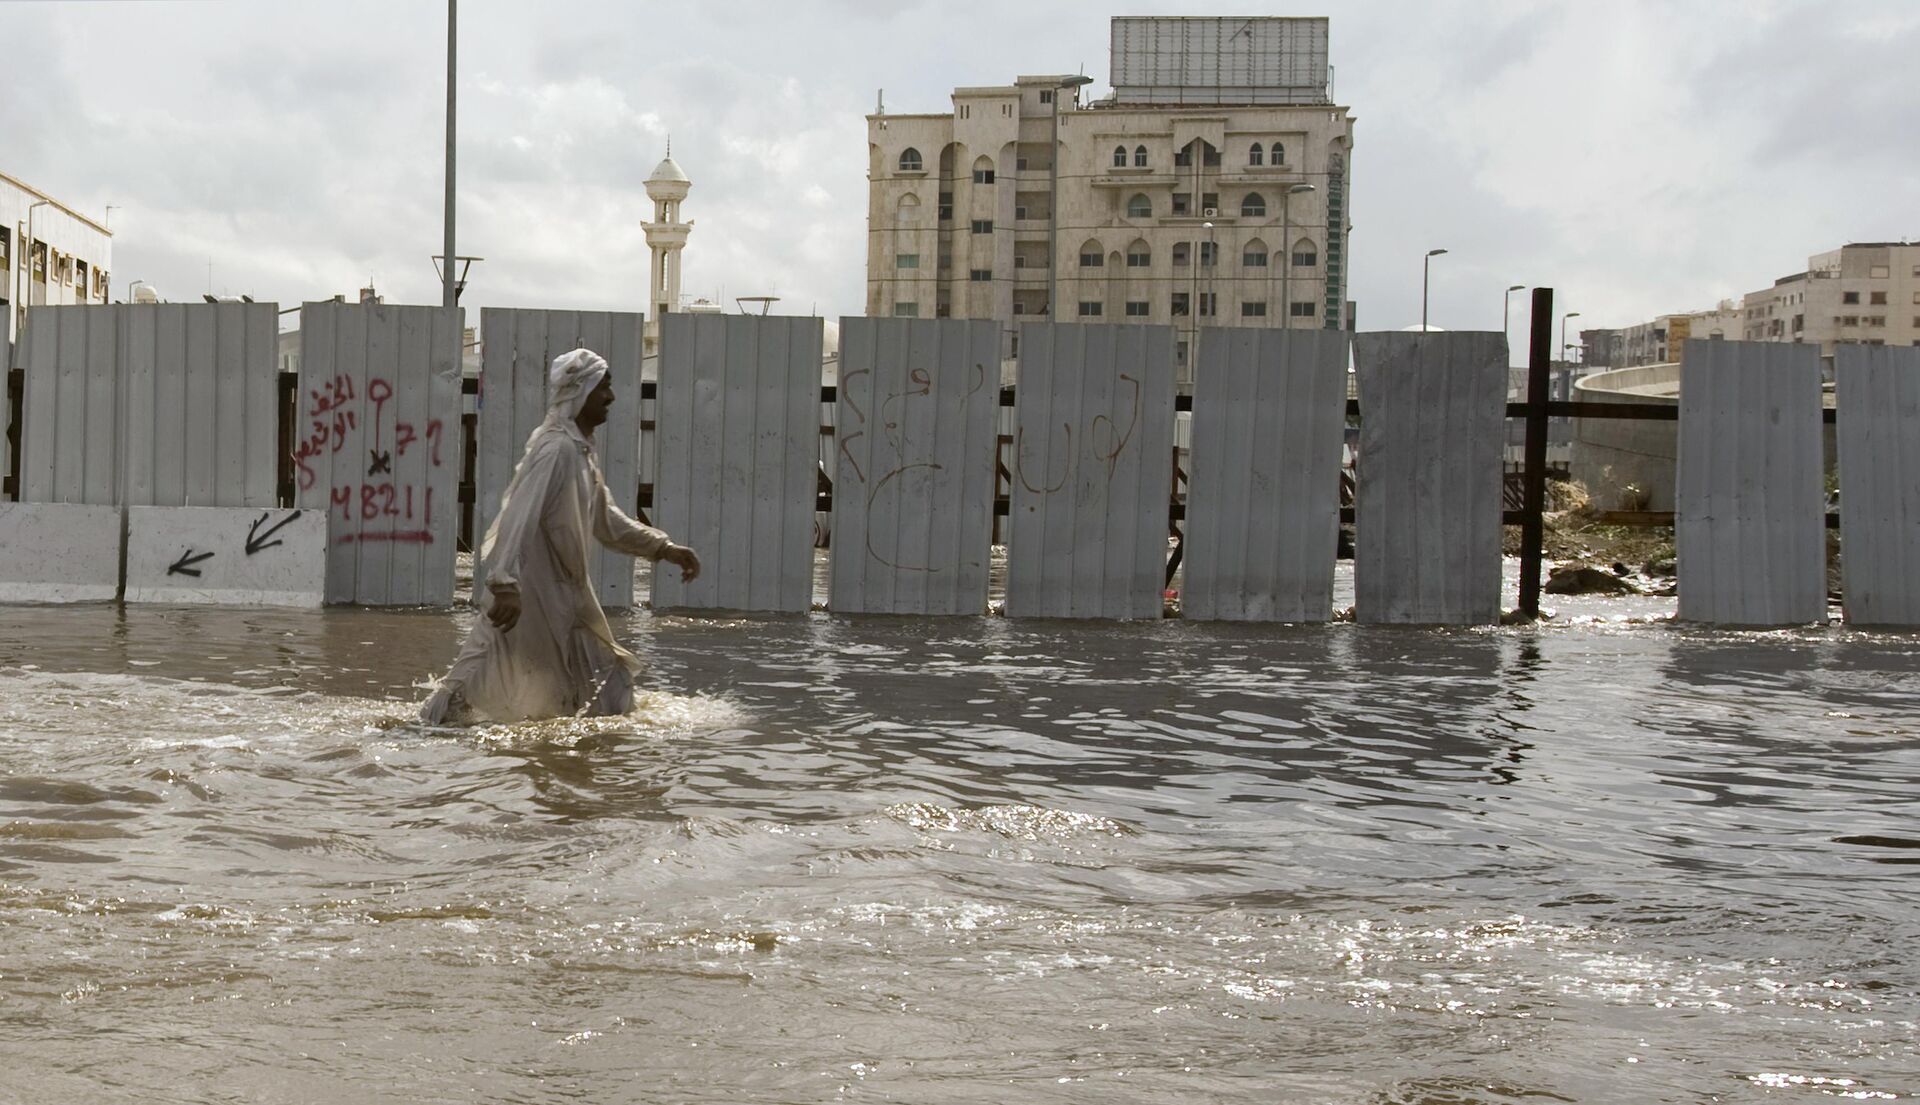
column 1209, row 212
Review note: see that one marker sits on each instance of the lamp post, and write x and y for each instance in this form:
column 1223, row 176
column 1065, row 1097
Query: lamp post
column 26, row 300
column 1506, row 308
column 1286, row 250
column 449, row 294
column 1426, row 264
column 1563, row 332
column 1053, row 195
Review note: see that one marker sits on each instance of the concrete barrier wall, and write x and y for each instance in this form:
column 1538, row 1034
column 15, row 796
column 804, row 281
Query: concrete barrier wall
column 1878, row 389
column 57, row 552
column 1427, row 513
column 739, row 430
column 1749, row 521
column 226, row 555
column 519, row 349
column 914, row 471
column 1263, row 500
column 1092, row 471
column 377, row 448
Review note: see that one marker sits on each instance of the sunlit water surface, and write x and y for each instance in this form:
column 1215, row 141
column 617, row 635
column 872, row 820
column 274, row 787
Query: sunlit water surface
column 969, row 860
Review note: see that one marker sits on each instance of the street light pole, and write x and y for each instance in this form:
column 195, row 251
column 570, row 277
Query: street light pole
column 27, row 300
column 1286, row 250
column 1506, row 310
column 1563, row 332
column 449, row 296
column 1426, row 264
column 1053, row 196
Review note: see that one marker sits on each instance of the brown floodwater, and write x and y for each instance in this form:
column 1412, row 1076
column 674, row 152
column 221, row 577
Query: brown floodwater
column 965, row 860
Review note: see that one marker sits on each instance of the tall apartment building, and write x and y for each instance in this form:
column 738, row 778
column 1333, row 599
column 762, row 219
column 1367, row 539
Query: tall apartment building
column 1209, row 189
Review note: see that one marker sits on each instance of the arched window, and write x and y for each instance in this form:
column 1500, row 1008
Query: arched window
column 1279, row 155
column 1139, row 207
column 1253, row 255
column 910, row 160
column 1139, row 254
column 1092, row 256
column 983, row 169
column 1119, row 157
column 909, row 209
column 1306, row 255
column 1255, row 155
column 1139, row 157
column 1254, row 206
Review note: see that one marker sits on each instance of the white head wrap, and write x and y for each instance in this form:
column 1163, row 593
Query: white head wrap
column 573, row 376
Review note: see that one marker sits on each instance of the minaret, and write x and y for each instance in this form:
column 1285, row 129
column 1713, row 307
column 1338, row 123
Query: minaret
column 666, row 237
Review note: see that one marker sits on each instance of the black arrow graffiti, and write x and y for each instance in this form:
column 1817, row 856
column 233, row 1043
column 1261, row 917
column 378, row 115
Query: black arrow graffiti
column 183, row 566
column 255, row 544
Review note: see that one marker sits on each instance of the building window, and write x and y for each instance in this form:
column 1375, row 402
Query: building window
column 1254, row 206
column 1304, row 256
column 1139, row 207
column 910, row 160
column 6, row 253
column 1303, row 309
column 1182, row 201
column 966, row 111
column 946, row 207
column 1136, row 308
column 906, row 309
column 1255, row 257
column 906, row 260
column 983, row 176
column 1211, row 157
column 1253, row 309
column 1209, row 253
column 1182, row 255
column 1208, row 302
column 983, row 226
column 1916, row 295
column 1092, row 255
column 1046, row 95
column 1256, row 154
column 980, row 276
column 1089, row 308
column 1849, row 297
column 1878, row 272
column 1019, row 214
column 1279, row 155
column 1876, row 320
column 80, row 279
column 1209, row 201
column 1178, row 306
column 1140, row 162
column 1183, row 158
column 1850, row 320
column 1119, row 157
column 1877, row 299
column 37, row 258
column 1139, row 256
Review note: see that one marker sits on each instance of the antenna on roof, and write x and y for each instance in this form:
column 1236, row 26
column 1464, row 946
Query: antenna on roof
column 880, row 104
column 669, row 146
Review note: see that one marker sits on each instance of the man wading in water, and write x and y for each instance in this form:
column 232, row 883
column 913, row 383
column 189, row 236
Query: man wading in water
column 543, row 648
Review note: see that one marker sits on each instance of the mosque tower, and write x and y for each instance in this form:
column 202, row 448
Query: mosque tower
column 666, row 237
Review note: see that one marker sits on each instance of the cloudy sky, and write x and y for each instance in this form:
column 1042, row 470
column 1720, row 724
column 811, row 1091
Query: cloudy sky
column 1638, row 156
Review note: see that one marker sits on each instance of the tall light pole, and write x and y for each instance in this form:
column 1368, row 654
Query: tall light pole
column 26, row 300
column 1286, row 250
column 1426, row 264
column 449, row 295
column 1506, row 308
column 1563, row 332
column 1053, row 196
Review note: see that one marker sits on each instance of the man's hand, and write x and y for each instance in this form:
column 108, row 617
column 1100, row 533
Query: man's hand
column 687, row 560
column 505, row 611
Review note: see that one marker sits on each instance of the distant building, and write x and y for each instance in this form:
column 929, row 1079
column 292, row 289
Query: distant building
column 667, row 187
column 1210, row 189
column 50, row 254
column 1865, row 293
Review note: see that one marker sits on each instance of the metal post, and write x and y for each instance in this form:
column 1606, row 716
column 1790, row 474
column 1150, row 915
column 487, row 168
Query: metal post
column 1532, row 527
column 1426, row 265
column 1053, row 213
column 1506, row 312
column 448, row 295
column 1286, row 249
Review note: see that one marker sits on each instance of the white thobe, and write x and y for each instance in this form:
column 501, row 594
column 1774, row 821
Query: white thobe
column 560, row 658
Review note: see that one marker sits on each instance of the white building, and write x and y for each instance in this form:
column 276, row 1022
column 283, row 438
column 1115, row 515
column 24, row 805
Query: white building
column 50, row 254
column 1865, row 292
column 1209, row 189
column 667, row 187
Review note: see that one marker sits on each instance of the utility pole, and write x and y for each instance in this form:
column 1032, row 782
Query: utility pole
column 449, row 295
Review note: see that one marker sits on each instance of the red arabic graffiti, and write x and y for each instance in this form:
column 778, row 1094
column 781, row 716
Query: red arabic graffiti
column 333, row 418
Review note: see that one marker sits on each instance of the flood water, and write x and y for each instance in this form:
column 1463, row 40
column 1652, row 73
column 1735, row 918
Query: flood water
column 969, row 860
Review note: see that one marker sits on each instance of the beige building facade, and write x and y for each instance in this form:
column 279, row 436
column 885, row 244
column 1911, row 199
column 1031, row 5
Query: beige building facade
column 50, row 254
column 1191, row 213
